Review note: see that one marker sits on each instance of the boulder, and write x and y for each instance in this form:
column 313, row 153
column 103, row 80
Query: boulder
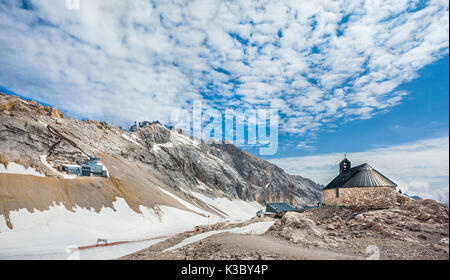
column 300, row 221
column 422, row 236
column 298, row 236
column 402, row 199
column 413, row 227
column 330, row 227
column 423, row 217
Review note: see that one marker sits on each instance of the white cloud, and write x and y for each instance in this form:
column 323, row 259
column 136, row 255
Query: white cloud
column 419, row 168
column 305, row 146
column 121, row 61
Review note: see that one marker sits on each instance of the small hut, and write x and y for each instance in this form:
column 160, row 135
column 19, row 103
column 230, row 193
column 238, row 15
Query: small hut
column 279, row 209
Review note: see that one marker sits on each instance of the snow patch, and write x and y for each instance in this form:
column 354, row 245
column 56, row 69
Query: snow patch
column 130, row 139
column 167, row 145
column 178, row 138
column 235, row 209
column 216, row 158
column 255, row 228
column 186, row 204
column 14, row 168
column 104, row 168
column 157, row 147
column 44, row 161
column 201, row 185
column 194, row 239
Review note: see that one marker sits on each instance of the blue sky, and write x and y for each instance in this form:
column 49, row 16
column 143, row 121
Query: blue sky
column 423, row 114
column 366, row 78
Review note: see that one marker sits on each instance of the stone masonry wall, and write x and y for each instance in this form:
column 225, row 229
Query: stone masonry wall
column 372, row 197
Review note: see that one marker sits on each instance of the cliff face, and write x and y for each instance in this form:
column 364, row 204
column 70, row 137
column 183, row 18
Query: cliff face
column 140, row 164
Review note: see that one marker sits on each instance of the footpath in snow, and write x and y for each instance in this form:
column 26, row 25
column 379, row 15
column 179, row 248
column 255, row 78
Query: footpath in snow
column 255, row 228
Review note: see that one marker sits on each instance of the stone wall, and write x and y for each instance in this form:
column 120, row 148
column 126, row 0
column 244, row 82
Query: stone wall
column 371, row 197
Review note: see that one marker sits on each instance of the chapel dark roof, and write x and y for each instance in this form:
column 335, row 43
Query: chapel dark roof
column 360, row 176
column 280, row 207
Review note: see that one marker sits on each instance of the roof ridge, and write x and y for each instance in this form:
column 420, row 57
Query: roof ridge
column 363, row 175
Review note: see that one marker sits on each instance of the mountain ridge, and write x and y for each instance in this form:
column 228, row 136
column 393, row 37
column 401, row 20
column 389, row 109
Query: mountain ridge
column 139, row 162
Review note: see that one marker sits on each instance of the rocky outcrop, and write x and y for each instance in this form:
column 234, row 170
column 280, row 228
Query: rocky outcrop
column 402, row 199
column 417, row 229
column 274, row 183
column 297, row 228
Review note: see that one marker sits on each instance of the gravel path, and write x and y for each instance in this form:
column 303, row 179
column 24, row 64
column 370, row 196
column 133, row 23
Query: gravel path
column 224, row 246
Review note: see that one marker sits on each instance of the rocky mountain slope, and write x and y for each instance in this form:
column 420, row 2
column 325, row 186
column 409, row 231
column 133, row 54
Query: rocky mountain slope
column 416, row 229
column 148, row 167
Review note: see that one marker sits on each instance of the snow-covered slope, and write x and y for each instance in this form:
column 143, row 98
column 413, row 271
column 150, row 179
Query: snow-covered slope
column 51, row 231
